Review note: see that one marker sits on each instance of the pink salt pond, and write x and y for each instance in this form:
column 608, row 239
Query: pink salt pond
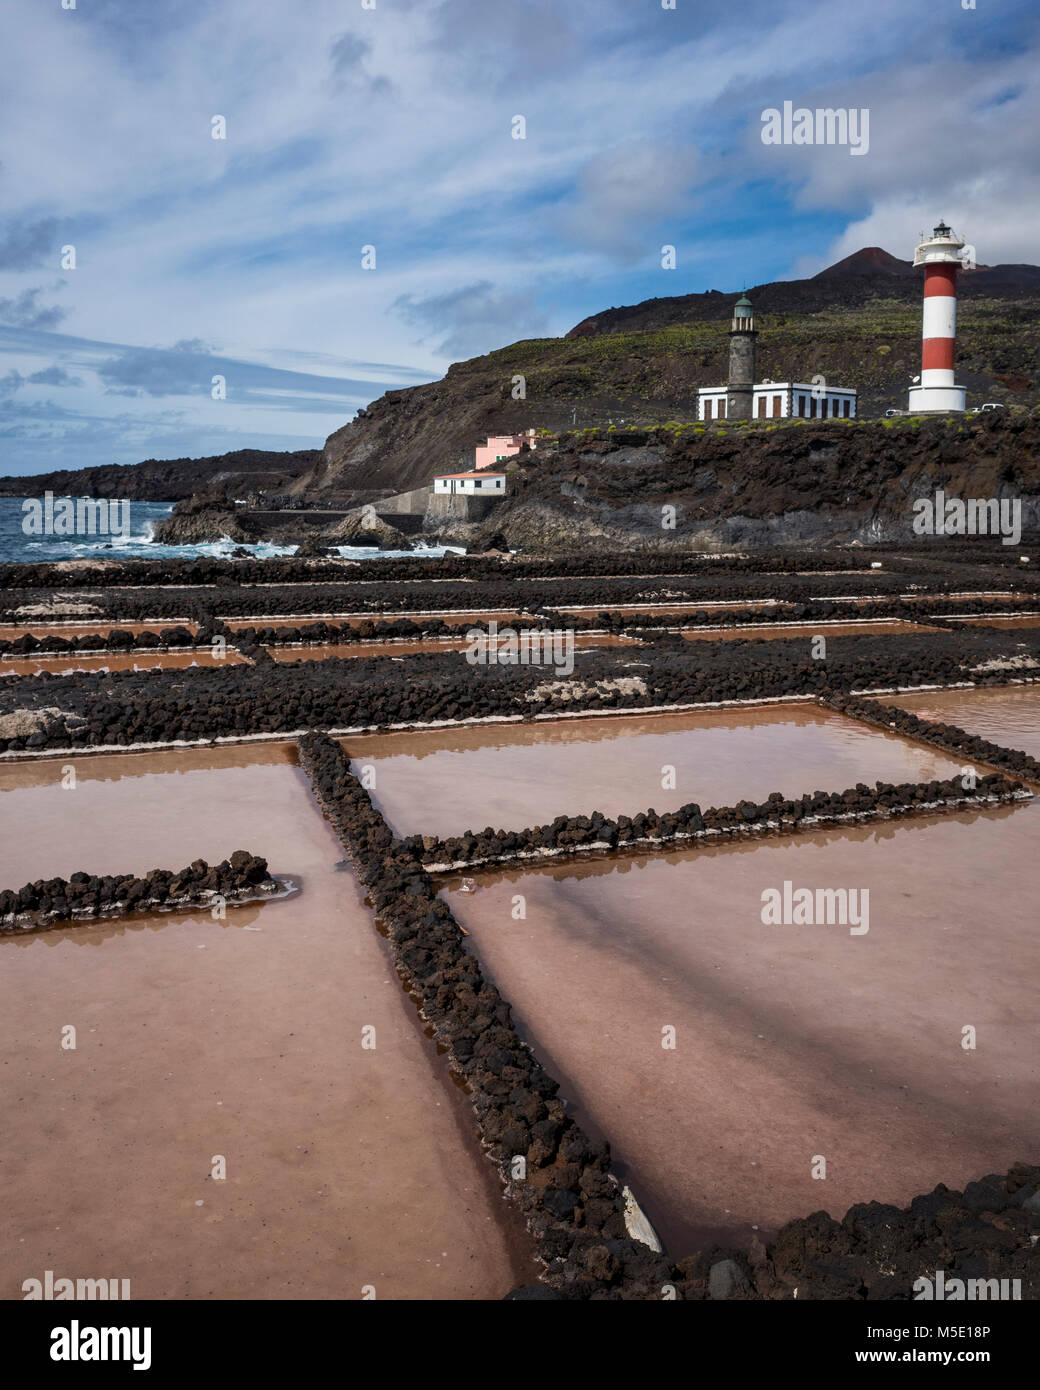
column 399, row 649
column 794, row 1045
column 446, row 781
column 1019, row 620
column 118, row 661
column 346, row 1167
column 1008, row 714
column 806, row 632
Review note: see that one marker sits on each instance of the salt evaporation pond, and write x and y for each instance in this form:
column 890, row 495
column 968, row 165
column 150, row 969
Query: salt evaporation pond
column 139, row 660
column 429, row 648
column 1006, row 714
column 446, row 781
column 773, row 632
column 346, row 1167
column 792, row 1043
column 85, row 627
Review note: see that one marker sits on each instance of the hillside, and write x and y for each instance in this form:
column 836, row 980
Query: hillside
column 171, row 480
column 858, row 323
column 761, row 483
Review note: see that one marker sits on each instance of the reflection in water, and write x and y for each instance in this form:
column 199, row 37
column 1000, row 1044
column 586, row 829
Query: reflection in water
column 127, row 661
column 790, row 1041
column 89, row 933
column 240, row 1038
column 1008, row 715
column 114, row 767
column 444, row 782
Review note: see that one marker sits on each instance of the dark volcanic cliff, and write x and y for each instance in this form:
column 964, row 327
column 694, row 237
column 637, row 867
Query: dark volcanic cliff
column 768, row 484
column 170, row 480
column 858, row 323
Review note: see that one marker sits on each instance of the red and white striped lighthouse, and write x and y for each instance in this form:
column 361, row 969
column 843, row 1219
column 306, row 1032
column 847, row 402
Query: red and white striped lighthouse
column 940, row 254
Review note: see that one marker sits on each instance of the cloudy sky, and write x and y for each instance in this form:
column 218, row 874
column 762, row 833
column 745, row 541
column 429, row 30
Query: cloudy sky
column 390, row 124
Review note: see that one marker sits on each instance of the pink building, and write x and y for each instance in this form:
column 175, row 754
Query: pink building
column 502, row 446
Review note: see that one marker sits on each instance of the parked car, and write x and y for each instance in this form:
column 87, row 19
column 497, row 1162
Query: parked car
column 990, row 405
column 890, row 413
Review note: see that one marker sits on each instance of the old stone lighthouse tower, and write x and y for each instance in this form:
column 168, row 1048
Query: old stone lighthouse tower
column 741, row 386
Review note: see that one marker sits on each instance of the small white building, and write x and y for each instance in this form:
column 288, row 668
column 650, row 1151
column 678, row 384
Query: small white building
column 486, row 483
column 778, row 400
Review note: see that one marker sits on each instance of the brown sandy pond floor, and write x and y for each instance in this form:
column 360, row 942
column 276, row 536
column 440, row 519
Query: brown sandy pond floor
column 1024, row 620
column 665, row 609
column 345, row 1167
column 449, row 615
column 1008, row 715
column 455, row 644
column 791, row 1042
column 446, row 781
column 771, row 632
column 121, row 661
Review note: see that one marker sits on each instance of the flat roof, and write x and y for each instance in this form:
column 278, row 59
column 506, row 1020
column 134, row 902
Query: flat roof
column 782, row 386
column 476, row 473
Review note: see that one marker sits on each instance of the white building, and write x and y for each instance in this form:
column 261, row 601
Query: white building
column 486, row 483
column 778, row 400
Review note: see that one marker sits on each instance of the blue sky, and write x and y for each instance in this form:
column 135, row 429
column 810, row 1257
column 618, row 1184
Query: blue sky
column 391, row 126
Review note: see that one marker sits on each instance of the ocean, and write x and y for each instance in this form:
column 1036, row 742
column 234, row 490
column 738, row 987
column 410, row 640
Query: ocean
column 18, row 547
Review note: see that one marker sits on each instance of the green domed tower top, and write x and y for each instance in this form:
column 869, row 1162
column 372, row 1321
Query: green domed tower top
column 743, row 320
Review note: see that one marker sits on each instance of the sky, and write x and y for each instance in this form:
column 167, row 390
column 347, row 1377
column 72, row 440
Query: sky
column 223, row 293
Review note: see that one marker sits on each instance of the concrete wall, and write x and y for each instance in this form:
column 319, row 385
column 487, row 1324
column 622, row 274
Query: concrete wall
column 408, row 503
column 460, row 506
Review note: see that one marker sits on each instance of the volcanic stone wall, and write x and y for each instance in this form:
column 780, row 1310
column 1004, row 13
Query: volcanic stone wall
column 363, row 596
column 115, row 640
column 948, row 737
column 777, row 814
column 86, row 897
column 298, row 570
column 961, row 551
column 122, row 708
column 564, row 1185
column 325, row 632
